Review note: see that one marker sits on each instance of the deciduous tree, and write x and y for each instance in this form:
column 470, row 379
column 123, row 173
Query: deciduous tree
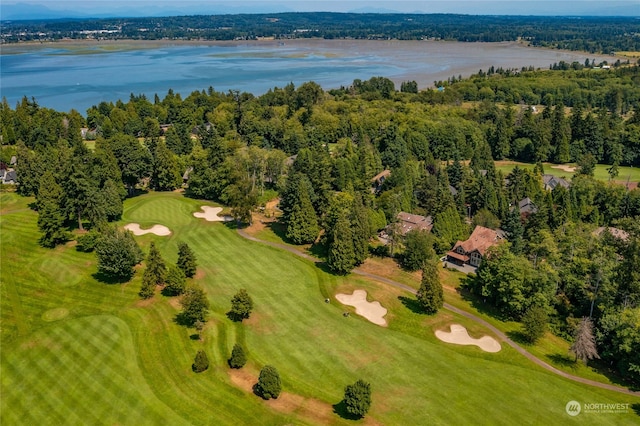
column 238, row 357
column 269, row 385
column 241, row 305
column 357, row 398
column 118, row 253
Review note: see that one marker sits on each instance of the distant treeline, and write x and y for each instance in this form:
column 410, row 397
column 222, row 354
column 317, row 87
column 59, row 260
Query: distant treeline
column 591, row 34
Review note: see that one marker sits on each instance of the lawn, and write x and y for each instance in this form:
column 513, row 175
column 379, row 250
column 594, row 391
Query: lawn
column 79, row 351
column 630, row 173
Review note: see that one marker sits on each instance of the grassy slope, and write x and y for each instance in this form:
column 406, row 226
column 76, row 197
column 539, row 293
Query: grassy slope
column 131, row 362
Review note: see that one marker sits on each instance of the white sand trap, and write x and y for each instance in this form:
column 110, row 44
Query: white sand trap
column 373, row 311
column 564, row 168
column 459, row 336
column 210, row 214
column 160, row 230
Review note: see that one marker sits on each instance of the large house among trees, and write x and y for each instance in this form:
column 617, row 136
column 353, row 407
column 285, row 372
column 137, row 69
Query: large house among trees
column 474, row 248
column 413, row 222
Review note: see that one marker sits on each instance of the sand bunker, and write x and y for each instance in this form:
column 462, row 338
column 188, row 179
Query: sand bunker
column 210, row 214
column 564, row 168
column 372, row 311
column 160, row 230
column 459, row 336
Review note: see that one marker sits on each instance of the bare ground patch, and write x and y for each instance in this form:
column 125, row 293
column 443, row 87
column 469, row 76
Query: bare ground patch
column 313, row 410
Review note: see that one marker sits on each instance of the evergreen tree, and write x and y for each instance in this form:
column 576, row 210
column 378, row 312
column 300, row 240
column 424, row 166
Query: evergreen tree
column 201, row 362
column 269, row 385
column 449, row 228
column 514, row 229
column 341, row 257
column 50, row 217
column 534, row 323
column 155, row 265
column 148, row 287
column 357, row 398
column 302, row 222
column 238, row 357
column 560, row 135
column 584, row 343
column 166, row 172
column 430, row 294
column 195, row 305
column 27, row 171
column 241, row 306
column 175, row 281
column 360, row 229
column 78, row 190
column 111, row 194
column 186, row 260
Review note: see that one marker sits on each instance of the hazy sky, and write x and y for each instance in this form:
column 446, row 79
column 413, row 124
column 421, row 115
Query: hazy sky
column 524, row 7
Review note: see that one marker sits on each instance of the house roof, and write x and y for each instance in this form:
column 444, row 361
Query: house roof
column 460, row 257
column 381, row 176
column 551, row 181
column 410, row 222
column 480, row 240
column 527, row 206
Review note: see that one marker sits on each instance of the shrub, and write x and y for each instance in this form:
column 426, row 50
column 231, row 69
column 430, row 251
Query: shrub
column 238, row 357
column 201, row 362
column 269, row 385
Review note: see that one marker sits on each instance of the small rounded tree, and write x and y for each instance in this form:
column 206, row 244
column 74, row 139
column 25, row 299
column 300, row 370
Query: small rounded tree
column 357, row 398
column 201, row 362
column 241, row 305
column 238, row 357
column 269, row 385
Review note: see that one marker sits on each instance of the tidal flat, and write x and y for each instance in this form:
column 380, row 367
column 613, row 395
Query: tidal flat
column 78, row 74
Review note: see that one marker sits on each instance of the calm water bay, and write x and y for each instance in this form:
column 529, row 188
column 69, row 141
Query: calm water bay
column 67, row 76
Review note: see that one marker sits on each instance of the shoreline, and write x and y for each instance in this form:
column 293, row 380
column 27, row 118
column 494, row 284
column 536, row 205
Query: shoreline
column 330, row 63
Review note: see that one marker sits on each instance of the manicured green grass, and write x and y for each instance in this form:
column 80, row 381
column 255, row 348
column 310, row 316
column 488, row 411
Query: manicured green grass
column 113, row 359
column 631, row 173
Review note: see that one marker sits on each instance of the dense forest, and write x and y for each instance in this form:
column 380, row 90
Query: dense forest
column 318, row 152
column 590, row 34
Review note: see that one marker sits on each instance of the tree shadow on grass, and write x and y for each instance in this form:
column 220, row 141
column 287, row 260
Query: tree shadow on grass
column 518, row 337
column 636, row 408
column 195, row 336
column 109, row 279
column 183, row 320
column 341, row 409
column 412, row 304
column 563, row 360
